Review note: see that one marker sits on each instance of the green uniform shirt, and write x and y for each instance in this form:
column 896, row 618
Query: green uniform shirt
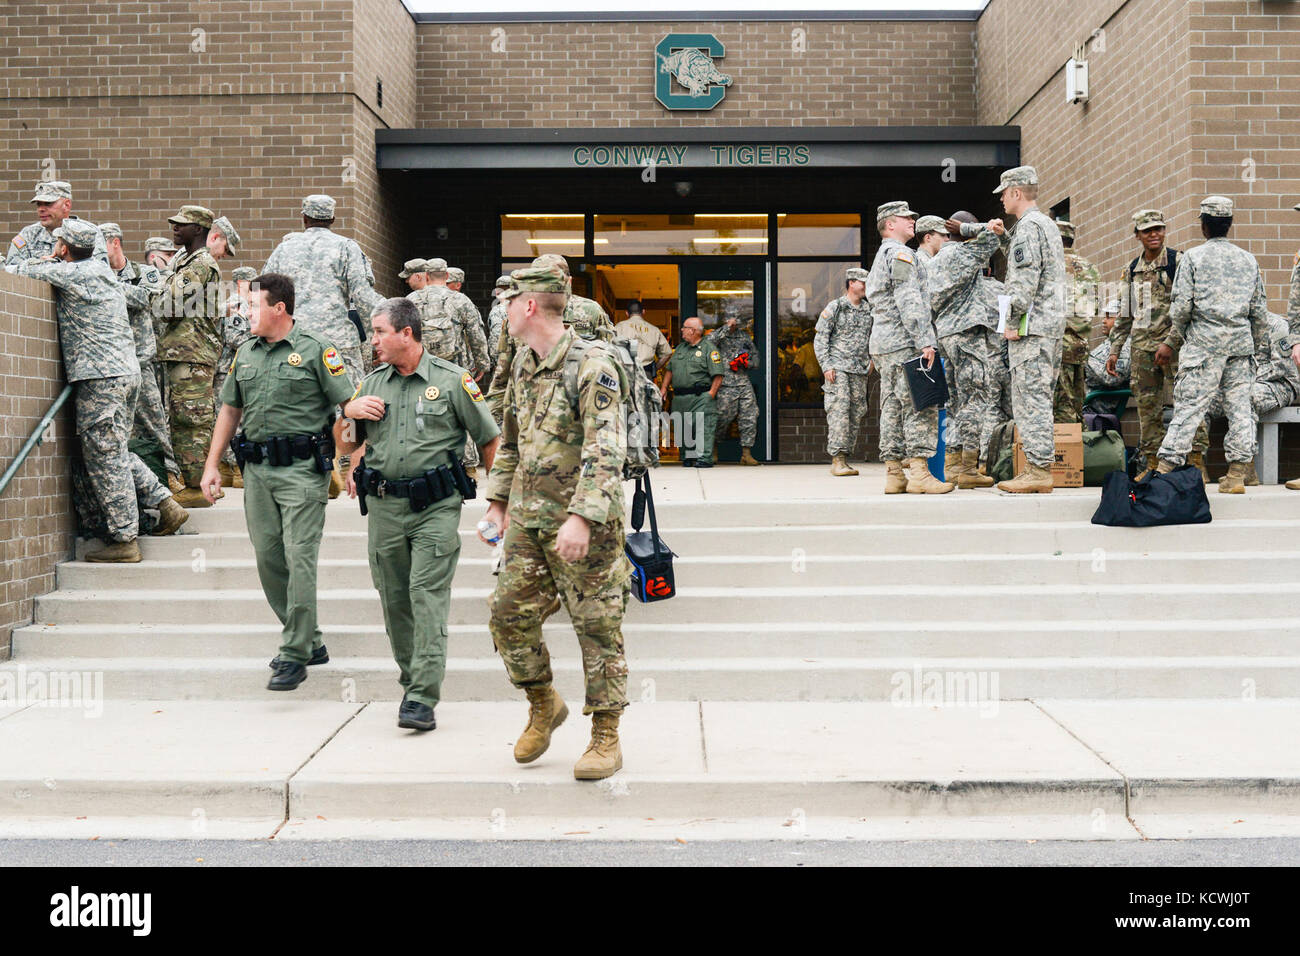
column 428, row 414
column 694, row 366
column 286, row 388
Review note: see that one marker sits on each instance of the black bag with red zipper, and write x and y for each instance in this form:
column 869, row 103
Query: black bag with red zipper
column 652, row 559
column 1174, row 498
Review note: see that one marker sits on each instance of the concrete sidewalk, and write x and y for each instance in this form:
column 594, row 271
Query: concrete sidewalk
column 1051, row 769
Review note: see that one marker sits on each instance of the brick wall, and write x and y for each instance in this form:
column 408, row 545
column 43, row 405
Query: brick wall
column 36, row 518
column 569, row 74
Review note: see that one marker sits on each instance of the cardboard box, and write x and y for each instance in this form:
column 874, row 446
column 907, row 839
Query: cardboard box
column 1067, row 469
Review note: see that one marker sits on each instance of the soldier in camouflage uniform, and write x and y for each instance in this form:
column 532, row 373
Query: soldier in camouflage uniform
column 1036, row 284
column 962, row 320
column 53, row 201
column 159, row 252
column 1293, row 321
column 989, row 290
column 736, row 400
column 560, row 468
column 455, row 278
column 931, row 235
column 1218, row 317
column 1144, row 323
column 223, row 240
column 234, row 333
column 1082, row 282
column 840, row 346
column 414, row 272
column 496, row 320
column 189, row 308
column 902, row 328
column 585, row 315
column 99, row 357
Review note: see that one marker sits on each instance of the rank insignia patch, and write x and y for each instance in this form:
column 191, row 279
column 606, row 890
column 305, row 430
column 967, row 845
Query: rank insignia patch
column 333, row 361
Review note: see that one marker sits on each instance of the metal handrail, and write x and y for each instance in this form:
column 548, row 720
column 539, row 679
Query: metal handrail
column 35, row 438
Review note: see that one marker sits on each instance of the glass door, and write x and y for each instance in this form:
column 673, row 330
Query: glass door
column 715, row 291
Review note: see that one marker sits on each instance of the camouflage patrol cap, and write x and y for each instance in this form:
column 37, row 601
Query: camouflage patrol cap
column 199, row 215
column 159, row 244
column 455, row 275
column 1020, row 176
column 536, row 279
column 110, row 230
column 244, row 274
column 856, row 274
column 931, row 224
column 435, row 265
column 411, row 266
column 1147, row 219
column 885, row 210
column 503, row 282
column 1066, row 228
column 227, row 229
column 77, row 232
column 318, row 206
column 553, row 259
column 52, row 191
column 1220, row 206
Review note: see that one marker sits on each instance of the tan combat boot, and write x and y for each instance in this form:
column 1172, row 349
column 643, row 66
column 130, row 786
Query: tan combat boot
column 921, row 482
column 1149, row 470
column 119, row 552
column 227, row 473
column 971, row 476
column 1198, row 459
column 546, row 711
column 896, row 478
column 1164, row 467
column 1234, row 482
column 1033, row 480
column 840, row 468
column 238, row 480
column 191, row 498
column 170, row 517
column 472, row 472
column 1293, row 484
column 747, row 457
column 952, row 463
column 1252, row 476
column 604, row 756
column 174, row 483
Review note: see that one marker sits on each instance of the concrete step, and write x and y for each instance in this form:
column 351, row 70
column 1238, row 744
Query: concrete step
column 1259, row 637
column 812, row 572
column 699, row 605
column 974, row 681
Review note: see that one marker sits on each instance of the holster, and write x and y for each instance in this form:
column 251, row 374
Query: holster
column 464, row 483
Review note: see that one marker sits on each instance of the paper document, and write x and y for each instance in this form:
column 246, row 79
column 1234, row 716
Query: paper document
column 1004, row 307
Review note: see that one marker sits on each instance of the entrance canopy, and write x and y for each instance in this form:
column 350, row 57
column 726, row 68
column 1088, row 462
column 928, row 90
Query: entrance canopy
column 710, row 147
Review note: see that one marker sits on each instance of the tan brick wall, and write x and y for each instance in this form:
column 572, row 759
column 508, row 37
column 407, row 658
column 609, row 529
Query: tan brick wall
column 570, row 74
column 36, row 519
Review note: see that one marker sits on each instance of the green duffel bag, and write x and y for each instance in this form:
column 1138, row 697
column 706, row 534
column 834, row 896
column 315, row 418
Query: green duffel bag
column 1103, row 452
column 1001, row 460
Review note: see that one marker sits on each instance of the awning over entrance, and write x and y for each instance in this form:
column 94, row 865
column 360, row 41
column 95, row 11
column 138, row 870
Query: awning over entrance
column 699, row 147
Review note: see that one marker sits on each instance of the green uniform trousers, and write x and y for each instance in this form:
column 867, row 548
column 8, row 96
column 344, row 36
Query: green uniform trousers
column 412, row 561
column 699, row 422
column 285, row 511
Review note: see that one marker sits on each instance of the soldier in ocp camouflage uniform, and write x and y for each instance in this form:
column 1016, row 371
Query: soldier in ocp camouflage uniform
column 234, row 333
column 189, row 308
column 496, row 319
column 962, row 321
column 53, row 201
column 560, row 468
column 99, row 358
column 1143, row 321
column 1082, row 281
column 736, row 400
column 840, row 346
column 1218, row 317
column 902, row 328
column 1036, row 283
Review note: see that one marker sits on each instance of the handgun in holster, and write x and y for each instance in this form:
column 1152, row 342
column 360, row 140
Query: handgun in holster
column 464, row 483
column 322, row 449
column 359, row 479
column 237, row 449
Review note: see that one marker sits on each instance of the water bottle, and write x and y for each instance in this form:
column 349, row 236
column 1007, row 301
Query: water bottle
column 490, row 532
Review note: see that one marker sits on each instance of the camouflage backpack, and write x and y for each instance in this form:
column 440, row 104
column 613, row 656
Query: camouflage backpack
column 642, row 408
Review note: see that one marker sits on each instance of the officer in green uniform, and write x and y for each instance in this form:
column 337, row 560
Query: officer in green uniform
column 283, row 385
column 695, row 373
column 413, row 413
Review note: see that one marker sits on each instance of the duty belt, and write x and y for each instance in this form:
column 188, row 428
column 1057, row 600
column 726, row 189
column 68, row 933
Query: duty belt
column 422, row 491
column 284, row 450
column 693, row 390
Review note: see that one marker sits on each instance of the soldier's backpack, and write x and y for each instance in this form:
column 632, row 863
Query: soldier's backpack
column 1001, row 459
column 641, row 410
column 1171, row 266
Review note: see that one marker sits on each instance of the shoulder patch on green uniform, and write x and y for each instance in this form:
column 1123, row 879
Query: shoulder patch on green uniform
column 333, row 361
column 471, row 387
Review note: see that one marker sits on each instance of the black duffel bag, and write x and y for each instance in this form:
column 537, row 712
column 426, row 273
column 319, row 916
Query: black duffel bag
column 1174, row 498
column 652, row 559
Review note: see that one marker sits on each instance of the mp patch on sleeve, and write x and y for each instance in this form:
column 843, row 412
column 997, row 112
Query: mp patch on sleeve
column 607, row 380
column 471, row 387
column 333, row 361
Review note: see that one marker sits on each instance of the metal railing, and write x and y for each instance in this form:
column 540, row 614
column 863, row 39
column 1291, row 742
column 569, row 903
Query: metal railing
column 35, row 438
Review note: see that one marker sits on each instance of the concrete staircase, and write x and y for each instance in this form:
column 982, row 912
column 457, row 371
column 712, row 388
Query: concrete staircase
column 833, row 655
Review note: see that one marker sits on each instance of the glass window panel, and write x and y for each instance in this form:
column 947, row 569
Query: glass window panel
column 687, row 234
column 717, row 299
column 530, row 234
column 803, row 290
column 818, row 234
